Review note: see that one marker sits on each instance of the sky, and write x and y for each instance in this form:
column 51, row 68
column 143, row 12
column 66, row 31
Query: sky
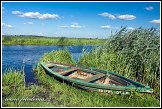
column 77, row 19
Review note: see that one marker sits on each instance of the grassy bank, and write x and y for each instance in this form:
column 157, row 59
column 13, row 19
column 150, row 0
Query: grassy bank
column 15, row 93
column 52, row 93
column 133, row 54
column 35, row 40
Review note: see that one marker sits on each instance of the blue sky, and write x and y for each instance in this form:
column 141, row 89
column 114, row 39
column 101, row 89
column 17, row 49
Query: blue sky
column 77, row 19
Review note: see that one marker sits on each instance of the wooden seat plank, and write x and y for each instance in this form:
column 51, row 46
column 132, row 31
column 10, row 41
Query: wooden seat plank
column 94, row 77
column 67, row 71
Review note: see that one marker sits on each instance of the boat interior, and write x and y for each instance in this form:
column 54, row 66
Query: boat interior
column 89, row 75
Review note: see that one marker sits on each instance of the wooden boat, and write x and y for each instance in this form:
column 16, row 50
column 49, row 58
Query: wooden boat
column 93, row 79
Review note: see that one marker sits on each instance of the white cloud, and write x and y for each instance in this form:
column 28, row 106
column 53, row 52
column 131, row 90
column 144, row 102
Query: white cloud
column 106, row 27
column 6, row 25
column 40, row 33
column 155, row 21
column 36, row 15
column 149, row 8
column 55, row 33
column 126, row 17
column 3, row 24
column 73, row 25
column 130, row 28
column 9, row 26
column 3, row 10
column 123, row 17
column 30, row 23
column 17, row 12
column 105, row 14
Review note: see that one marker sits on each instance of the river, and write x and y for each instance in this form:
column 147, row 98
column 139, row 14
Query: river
column 17, row 56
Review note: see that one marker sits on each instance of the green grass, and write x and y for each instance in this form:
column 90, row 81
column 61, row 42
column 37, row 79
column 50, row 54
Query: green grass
column 71, row 96
column 35, row 40
column 56, row 94
column 132, row 54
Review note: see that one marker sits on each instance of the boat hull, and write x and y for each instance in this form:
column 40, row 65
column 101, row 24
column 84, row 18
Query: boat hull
column 93, row 87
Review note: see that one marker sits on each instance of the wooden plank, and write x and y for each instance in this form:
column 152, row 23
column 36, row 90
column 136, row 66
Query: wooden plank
column 50, row 65
column 71, row 65
column 119, row 80
column 115, row 82
column 94, row 77
column 67, row 71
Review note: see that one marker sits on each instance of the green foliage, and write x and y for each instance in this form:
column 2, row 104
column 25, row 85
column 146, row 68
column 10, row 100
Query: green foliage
column 53, row 93
column 12, row 78
column 62, row 56
column 6, row 38
column 133, row 54
column 35, row 40
column 62, row 41
column 67, row 96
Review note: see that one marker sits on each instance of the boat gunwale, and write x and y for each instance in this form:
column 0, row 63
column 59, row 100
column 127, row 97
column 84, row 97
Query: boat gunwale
column 99, row 86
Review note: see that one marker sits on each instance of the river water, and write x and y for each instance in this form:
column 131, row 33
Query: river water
column 17, row 56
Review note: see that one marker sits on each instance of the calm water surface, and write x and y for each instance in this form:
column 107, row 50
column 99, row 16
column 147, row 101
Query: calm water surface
column 17, row 56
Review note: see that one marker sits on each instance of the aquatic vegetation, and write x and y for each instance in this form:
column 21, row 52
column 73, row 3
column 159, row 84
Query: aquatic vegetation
column 50, row 92
column 66, row 95
column 37, row 40
column 55, row 56
column 133, row 54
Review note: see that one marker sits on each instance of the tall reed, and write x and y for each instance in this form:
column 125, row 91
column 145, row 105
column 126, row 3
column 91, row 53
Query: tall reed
column 133, row 54
column 65, row 95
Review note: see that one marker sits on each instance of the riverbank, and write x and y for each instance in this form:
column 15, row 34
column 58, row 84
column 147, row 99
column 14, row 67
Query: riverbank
column 41, row 40
column 135, row 55
column 49, row 92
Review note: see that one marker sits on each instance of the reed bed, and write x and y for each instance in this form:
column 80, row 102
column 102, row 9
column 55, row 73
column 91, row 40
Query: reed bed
column 68, row 96
column 49, row 92
column 133, row 54
column 35, row 40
